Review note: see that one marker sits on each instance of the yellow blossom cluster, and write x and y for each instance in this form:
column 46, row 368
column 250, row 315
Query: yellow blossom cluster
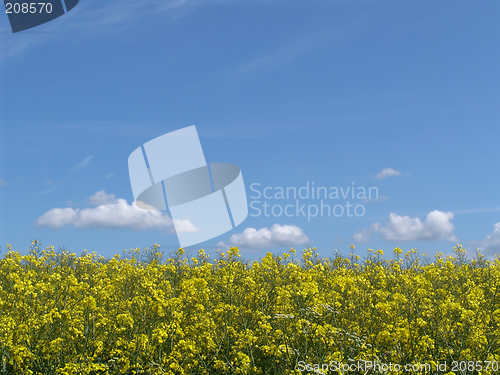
column 146, row 313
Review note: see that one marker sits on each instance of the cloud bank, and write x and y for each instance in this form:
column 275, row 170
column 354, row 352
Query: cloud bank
column 276, row 236
column 436, row 227
column 113, row 213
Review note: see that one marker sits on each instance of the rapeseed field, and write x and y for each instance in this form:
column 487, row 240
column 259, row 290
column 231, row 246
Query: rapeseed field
column 143, row 312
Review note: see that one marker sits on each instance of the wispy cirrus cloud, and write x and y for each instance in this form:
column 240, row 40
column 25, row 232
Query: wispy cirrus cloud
column 46, row 191
column 92, row 19
column 98, row 19
column 282, row 55
column 300, row 45
column 3, row 182
column 85, row 162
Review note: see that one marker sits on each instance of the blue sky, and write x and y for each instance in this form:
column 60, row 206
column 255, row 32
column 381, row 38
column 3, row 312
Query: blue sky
column 402, row 96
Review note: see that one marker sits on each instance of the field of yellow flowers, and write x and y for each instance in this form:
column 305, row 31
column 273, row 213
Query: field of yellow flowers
column 147, row 313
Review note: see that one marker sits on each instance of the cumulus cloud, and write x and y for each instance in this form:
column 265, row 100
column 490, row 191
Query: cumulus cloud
column 365, row 234
column 491, row 244
column 386, row 172
column 276, row 236
column 85, row 162
column 185, row 226
column 436, row 227
column 112, row 213
column 101, row 198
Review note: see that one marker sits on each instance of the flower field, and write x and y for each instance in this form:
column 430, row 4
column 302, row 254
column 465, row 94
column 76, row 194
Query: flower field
column 147, row 313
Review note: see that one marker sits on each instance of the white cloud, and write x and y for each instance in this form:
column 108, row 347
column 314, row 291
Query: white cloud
column 56, row 218
column 83, row 163
column 277, row 236
column 386, row 172
column 3, row 182
column 365, row 234
column 109, row 175
column 112, row 213
column 101, row 198
column 436, row 227
column 185, row 226
column 491, row 244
